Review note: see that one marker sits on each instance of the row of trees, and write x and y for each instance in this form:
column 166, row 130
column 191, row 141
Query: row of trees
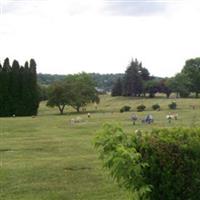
column 20, row 94
column 104, row 82
column 137, row 81
column 18, row 89
column 76, row 90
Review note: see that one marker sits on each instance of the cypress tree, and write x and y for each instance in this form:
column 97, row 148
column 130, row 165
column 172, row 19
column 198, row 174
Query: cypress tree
column 33, row 87
column 6, row 97
column 21, row 106
column 18, row 89
column 26, row 90
column 133, row 84
column 1, row 90
column 15, row 88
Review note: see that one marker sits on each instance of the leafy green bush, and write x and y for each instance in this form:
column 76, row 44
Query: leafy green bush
column 120, row 156
column 156, row 107
column 162, row 164
column 172, row 105
column 141, row 108
column 125, row 109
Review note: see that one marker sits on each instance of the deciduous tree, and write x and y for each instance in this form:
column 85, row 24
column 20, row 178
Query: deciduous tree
column 192, row 71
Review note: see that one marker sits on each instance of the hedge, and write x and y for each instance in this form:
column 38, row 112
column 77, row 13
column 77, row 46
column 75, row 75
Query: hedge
column 163, row 164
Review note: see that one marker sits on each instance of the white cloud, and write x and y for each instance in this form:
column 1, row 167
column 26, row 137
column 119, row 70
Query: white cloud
column 69, row 36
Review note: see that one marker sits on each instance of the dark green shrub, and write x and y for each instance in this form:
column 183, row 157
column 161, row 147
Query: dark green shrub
column 172, row 105
column 156, row 107
column 158, row 165
column 125, row 109
column 141, row 108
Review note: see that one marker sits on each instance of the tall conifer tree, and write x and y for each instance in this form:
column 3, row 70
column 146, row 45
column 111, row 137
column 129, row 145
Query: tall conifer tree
column 18, row 89
column 15, row 88
column 1, row 90
column 33, row 87
column 133, row 84
column 6, row 97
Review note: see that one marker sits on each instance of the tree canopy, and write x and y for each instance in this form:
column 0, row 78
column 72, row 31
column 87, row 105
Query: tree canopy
column 76, row 90
column 192, row 71
column 117, row 88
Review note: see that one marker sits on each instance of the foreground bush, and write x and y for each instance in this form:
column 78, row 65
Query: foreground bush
column 125, row 109
column 158, row 165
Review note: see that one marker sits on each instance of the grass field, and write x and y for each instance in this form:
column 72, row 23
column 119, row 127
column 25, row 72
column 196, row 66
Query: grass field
column 48, row 158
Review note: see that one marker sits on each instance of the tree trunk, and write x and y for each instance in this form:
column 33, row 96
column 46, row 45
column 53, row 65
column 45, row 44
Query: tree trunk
column 78, row 109
column 197, row 94
column 167, row 95
column 61, row 109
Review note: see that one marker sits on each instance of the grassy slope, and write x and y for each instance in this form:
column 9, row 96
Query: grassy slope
column 48, row 158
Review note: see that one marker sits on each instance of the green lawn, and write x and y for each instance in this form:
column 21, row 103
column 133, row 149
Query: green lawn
column 47, row 157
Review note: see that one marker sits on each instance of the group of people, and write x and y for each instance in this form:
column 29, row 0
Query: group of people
column 148, row 119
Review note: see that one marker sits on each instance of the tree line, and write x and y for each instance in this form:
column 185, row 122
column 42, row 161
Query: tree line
column 18, row 89
column 104, row 82
column 137, row 81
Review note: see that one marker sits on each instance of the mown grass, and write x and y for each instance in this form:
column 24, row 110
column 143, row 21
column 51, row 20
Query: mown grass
column 48, row 158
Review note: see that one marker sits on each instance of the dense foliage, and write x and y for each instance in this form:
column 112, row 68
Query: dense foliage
column 192, row 71
column 76, row 90
column 104, row 82
column 136, row 81
column 43, row 92
column 180, row 84
column 48, row 79
column 58, row 96
column 134, row 76
column 18, row 89
column 120, row 156
column 117, row 89
column 82, row 89
column 161, row 164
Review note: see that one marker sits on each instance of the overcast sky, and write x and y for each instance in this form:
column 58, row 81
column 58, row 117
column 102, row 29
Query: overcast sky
column 70, row 36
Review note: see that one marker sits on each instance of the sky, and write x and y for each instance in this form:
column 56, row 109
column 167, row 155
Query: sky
column 102, row 36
